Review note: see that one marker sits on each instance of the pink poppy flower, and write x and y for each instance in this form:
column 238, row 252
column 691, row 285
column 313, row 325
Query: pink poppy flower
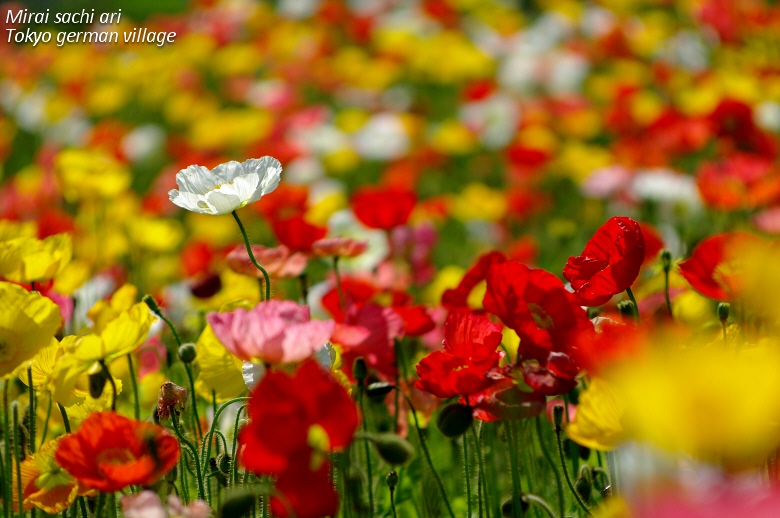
column 272, row 332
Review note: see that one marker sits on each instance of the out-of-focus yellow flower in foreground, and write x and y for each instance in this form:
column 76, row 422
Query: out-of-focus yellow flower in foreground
column 28, row 259
column 13, row 229
column 598, row 421
column 44, row 483
column 28, row 322
column 718, row 405
column 111, row 340
column 90, row 175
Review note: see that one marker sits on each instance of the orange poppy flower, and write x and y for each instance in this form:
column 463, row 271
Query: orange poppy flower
column 110, row 452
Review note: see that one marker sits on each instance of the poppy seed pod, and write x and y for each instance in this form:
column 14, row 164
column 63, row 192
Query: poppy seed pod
column 187, row 353
column 454, row 420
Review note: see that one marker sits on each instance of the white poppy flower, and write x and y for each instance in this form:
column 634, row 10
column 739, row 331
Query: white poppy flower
column 227, row 187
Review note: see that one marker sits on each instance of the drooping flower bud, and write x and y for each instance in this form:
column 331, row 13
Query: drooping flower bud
column 149, row 301
column 507, row 507
column 626, row 308
column 359, row 370
column 392, row 448
column 237, row 504
column 454, row 420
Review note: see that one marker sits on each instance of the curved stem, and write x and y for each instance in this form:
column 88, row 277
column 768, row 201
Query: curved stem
column 207, row 439
column 134, row 383
column 234, row 471
column 632, row 299
column 566, row 473
column 428, row 457
column 65, row 419
column 551, row 462
column 113, row 384
column 46, row 422
column 194, row 451
column 252, row 256
column 33, row 409
column 194, row 401
column 538, row 502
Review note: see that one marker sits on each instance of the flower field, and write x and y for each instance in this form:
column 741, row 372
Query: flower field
column 392, row 258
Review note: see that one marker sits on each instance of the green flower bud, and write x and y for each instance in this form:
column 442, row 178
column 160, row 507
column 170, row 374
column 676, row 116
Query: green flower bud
column 188, row 353
column 724, row 308
column 666, row 260
column 359, row 369
column 392, row 448
column 454, row 420
column 149, row 301
column 626, row 308
column 97, row 383
column 224, row 463
column 584, row 488
column 507, row 507
column 237, row 504
column 558, row 416
column 392, row 479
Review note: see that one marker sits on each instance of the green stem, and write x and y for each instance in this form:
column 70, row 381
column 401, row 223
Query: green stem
column 33, row 409
column 210, row 434
column 666, row 292
column 83, row 507
column 392, row 502
column 18, row 456
column 538, row 502
column 46, row 422
column 428, row 457
column 134, row 383
column 368, row 452
column 182, row 479
column 194, row 452
column 113, row 385
column 7, row 487
column 481, row 469
column 234, row 471
column 252, row 256
column 517, row 509
column 101, row 504
column 194, row 401
column 632, row 299
column 551, row 462
column 566, row 473
column 65, row 420
column 612, row 468
column 467, row 474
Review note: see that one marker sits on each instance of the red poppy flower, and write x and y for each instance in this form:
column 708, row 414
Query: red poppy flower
column 612, row 341
column 470, row 343
column 503, row 400
column 356, row 292
column 110, row 452
column 383, row 207
column 296, row 233
column 553, row 377
column 654, row 243
column 456, row 299
column 369, row 331
column 741, row 181
column 713, row 268
column 535, row 304
column 609, row 264
column 295, row 420
column 417, row 320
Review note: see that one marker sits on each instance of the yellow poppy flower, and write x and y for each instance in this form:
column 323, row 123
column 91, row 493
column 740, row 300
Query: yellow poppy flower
column 90, row 175
column 28, row 322
column 28, row 259
column 104, row 311
column 219, row 370
column 13, row 229
column 84, row 354
column 597, row 424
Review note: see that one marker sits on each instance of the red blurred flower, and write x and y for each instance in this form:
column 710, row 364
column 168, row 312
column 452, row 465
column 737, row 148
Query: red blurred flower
column 741, row 181
column 369, row 331
column 383, row 207
column 503, row 400
column 417, row 320
column 609, row 264
column 613, row 341
column 288, row 200
column 110, row 452
column 713, row 268
column 556, row 376
column 462, row 368
column 338, row 246
column 535, row 304
column 296, row 233
column 295, row 420
column 654, row 243
column 456, row 299
column 196, row 258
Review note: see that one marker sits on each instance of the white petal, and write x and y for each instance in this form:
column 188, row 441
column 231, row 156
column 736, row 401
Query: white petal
column 253, row 373
column 223, row 202
column 245, row 186
column 196, row 179
column 269, row 169
column 228, row 171
column 188, row 201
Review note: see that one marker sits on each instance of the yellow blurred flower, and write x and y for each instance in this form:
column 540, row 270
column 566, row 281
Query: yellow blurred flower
column 480, row 202
column 28, row 259
column 90, row 175
column 105, row 311
column 155, row 234
column 598, row 421
column 13, row 229
column 719, row 405
column 28, row 322
column 72, row 277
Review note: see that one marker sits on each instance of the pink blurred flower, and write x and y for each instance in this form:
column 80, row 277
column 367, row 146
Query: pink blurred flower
column 272, row 332
column 278, row 262
column 368, row 331
column 147, row 504
column 338, row 246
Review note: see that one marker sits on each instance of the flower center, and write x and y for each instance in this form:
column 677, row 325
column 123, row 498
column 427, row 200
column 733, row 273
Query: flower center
column 115, row 456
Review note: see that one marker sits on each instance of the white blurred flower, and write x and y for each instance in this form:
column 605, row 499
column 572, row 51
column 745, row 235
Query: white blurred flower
column 383, row 137
column 142, row 142
column 767, row 116
column 666, row 186
column 227, row 187
column 495, row 119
